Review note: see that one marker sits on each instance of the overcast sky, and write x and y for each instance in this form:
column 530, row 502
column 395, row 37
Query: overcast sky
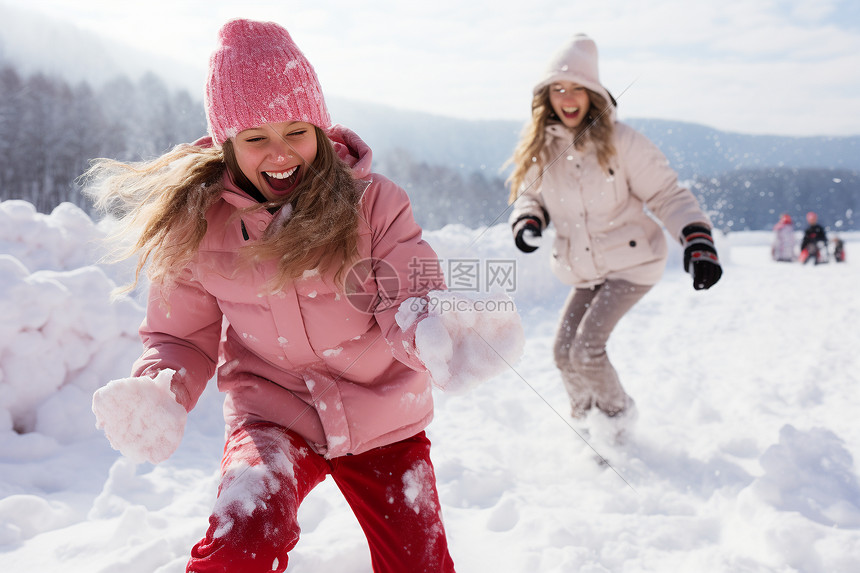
column 787, row 67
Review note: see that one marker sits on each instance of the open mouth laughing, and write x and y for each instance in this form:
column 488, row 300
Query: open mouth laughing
column 570, row 112
column 282, row 182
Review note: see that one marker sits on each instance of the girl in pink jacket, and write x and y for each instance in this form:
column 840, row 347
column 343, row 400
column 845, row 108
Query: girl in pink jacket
column 594, row 177
column 279, row 262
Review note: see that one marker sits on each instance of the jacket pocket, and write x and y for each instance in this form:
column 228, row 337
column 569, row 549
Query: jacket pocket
column 626, row 247
column 562, row 264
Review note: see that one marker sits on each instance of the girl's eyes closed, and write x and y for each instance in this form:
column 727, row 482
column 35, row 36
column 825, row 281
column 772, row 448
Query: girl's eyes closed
column 262, row 138
column 561, row 90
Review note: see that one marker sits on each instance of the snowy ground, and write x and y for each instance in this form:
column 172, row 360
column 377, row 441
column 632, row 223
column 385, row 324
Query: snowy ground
column 742, row 459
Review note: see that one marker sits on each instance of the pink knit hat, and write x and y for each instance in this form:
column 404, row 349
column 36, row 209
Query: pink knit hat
column 258, row 75
column 575, row 62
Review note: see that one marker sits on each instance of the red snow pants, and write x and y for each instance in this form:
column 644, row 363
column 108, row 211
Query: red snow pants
column 267, row 471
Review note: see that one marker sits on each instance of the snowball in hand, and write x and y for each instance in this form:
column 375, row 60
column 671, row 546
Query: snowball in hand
column 140, row 416
column 467, row 339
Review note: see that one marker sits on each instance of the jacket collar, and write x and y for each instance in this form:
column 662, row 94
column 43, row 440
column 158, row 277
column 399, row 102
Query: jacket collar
column 232, row 194
column 351, row 149
column 559, row 130
column 557, row 134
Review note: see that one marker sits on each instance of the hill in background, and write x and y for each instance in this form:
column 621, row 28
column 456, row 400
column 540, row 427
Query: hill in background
column 81, row 98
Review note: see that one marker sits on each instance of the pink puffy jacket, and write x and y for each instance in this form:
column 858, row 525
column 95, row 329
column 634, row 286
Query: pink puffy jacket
column 336, row 369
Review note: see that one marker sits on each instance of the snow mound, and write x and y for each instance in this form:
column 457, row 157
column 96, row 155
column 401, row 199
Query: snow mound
column 61, row 335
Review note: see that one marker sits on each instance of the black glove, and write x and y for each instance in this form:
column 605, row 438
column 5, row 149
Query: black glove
column 526, row 226
column 700, row 256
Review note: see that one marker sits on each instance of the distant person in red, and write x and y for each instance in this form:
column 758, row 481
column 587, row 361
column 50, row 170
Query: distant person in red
column 814, row 244
column 782, row 249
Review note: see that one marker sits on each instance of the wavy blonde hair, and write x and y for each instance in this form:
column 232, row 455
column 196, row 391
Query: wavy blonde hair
column 531, row 151
column 161, row 208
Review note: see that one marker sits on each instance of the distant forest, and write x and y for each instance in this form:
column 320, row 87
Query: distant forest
column 50, row 130
column 753, row 199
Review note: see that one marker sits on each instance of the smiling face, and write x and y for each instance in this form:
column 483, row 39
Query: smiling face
column 275, row 156
column 570, row 102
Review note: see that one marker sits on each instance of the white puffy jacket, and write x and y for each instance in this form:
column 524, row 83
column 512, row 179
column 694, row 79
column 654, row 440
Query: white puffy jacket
column 602, row 227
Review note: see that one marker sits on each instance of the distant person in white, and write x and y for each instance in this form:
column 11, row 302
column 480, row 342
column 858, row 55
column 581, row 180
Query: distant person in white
column 782, row 249
column 592, row 177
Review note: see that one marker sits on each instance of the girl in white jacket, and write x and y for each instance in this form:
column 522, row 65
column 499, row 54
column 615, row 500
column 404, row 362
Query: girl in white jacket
column 594, row 177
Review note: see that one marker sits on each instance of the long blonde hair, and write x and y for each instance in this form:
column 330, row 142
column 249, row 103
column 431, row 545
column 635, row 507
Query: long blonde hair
column 531, row 151
column 161, row 209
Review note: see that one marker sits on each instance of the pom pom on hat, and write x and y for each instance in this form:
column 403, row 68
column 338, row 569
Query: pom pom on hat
column 258, row 75
column 575, row 62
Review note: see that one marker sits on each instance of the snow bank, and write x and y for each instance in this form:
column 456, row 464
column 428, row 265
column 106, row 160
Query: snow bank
column 61, row 336
column 744, row 457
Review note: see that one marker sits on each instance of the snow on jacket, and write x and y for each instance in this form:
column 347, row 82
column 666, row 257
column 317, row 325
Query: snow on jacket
column 602, row 228
column 305, row 357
